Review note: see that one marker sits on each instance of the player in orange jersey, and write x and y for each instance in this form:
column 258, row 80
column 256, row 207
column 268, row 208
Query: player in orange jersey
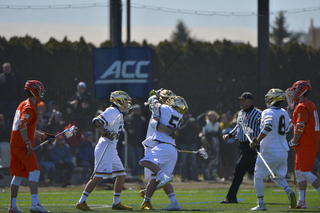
column 305, row 140
column 23, row 160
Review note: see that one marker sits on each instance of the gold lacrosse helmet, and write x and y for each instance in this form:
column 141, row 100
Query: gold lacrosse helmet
column 178, row 103
column 121, row 99
column 274, row 95
column 164, row 95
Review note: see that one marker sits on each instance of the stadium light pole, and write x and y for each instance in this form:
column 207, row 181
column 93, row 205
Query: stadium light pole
column 263, row 50
column 128, row 23
column 115, row 22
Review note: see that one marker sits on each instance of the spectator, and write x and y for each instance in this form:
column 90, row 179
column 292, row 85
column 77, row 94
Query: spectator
column 42, row 108
column 56, row 123
column 85, row 156
column 61, row 156
column 75, row 139
column 80, row 107
column 210, row 140
column 228, row 150
column 10, row 92
column 47, row 168
column 137, row 128
column 187, row 140
column 5, row 134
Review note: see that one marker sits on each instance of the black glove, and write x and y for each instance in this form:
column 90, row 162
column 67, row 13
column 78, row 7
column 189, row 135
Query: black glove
column 175, row 133
column 254, row 143
column 109, row 134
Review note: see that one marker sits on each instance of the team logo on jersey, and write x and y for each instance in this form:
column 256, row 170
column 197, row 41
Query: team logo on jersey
column 26, row 116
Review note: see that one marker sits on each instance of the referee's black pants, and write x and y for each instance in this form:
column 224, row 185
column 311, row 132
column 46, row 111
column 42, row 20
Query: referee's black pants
column 246, row 163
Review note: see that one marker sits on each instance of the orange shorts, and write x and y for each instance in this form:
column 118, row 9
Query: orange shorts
column 21, row 164
column 305, row 157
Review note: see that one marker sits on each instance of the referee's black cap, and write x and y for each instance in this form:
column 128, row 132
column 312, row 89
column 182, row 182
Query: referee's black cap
column 245, row 95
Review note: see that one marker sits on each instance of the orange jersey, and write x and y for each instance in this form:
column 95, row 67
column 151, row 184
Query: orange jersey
column 26, row 113
column 307, row 112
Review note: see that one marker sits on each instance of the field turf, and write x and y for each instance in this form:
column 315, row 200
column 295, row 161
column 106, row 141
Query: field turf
column 202, row 200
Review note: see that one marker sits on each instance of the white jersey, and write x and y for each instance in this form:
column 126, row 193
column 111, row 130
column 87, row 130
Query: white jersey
column 278, row 120
column 168, row 117
column 107, row 117
column 148, row 142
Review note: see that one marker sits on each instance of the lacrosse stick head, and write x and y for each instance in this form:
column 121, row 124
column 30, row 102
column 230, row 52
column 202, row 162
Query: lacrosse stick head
column 289, row 98
column 71, row 131
column 245, row 128
column 203, row 153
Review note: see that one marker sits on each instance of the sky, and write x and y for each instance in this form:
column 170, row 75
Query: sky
column 152, row 20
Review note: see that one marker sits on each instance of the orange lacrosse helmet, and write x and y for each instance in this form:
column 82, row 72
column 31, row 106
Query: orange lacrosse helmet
column 35, row 88
column 299, row 88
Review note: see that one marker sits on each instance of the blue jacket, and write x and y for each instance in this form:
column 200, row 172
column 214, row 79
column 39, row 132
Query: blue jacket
column 63, row 153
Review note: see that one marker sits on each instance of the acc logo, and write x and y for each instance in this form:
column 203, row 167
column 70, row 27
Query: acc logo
column 122, row 76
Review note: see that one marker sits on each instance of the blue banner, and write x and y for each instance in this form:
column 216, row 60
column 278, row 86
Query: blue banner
column 123, row 68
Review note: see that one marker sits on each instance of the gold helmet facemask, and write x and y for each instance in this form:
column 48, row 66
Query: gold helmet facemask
column 121, row 99
column 164, row 95
column 274, row 96
column 178, row 103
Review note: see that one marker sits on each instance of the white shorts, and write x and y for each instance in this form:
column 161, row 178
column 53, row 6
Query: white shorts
column 277, row 161
column 110, row 164
column 163, row 155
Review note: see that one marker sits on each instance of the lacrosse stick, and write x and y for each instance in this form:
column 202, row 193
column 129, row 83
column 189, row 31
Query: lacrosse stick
column 289, row 99
column 202, row 152
column 247, row 130
column 114, row 124
column 67, row 132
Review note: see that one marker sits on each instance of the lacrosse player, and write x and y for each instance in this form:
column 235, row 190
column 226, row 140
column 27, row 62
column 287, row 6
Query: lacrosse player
column 275, row 123
column 23, row 160
column 108, row 163
column 148, row 144
column 305, row 140
column 250, row 116
column 162, row 158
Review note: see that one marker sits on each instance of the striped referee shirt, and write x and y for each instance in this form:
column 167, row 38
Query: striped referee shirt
column 251, row 117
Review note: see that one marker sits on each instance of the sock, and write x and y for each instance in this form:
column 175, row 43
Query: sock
column 260, row 200
column 258, row 185
column 35, row 200
column 13, row 202
column 84, row 197
column 287, row 189
column 318, row 189
column 302, row 195
column 146, row 199
column 172, row 198
column 116, row 198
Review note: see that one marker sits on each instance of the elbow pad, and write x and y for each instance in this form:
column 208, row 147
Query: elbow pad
column 97, row 122
column 267, row 128
column 299, row 128
column 155, row 124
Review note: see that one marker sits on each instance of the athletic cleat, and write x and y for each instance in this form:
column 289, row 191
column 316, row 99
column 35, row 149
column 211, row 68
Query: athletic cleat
column 121, row 206
column 83, row 206
column 146, row 206
column 259, row 207
column 300, row 205
column 164, row 180
column 172, row 207
column 38, row 209
column 14, row 210
column 142, row 193
column 292, row 199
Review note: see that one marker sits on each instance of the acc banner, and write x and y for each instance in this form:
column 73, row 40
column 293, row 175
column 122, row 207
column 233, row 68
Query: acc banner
column 123, row 68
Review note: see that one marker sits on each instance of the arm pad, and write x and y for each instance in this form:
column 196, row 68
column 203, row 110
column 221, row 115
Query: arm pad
column 97, row 122
column 299, row 128
column 155, row 124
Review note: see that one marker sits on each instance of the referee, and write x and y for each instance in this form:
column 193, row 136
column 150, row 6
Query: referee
column 250, row 116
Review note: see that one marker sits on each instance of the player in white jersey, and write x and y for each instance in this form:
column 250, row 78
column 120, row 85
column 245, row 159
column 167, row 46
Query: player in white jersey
column 162, row 159
column 275, row 123
column 107, row 161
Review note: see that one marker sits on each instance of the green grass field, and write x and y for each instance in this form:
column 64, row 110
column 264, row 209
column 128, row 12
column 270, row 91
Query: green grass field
column 204, row 200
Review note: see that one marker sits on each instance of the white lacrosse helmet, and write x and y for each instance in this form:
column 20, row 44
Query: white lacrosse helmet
column 121, row 99
column 273, row 96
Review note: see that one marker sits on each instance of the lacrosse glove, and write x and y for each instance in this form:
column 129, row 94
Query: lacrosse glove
column 29, row 149
column 48, row 137
column 293, row 146
column 109, row 134
column 254, row 143
column 174, row 134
